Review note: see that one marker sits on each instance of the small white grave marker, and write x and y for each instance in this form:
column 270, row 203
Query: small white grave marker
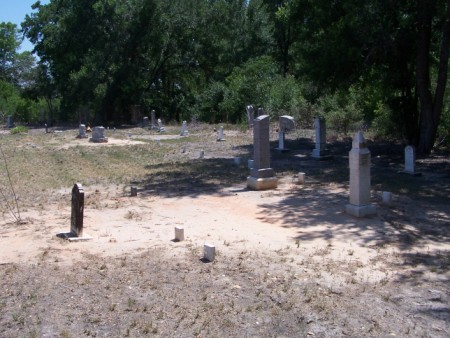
column 209, row 252
column 179, row 234
column 301, row 178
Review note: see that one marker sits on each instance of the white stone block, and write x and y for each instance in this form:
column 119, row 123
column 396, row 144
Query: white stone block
column 209, row 252
column 179, row 234
column 301, row 178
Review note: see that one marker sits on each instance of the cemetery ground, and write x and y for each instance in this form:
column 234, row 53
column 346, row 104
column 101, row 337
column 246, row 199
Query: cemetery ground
column 289, row 262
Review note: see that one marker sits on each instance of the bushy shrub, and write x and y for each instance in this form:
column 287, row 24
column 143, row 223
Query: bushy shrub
column 19, row 129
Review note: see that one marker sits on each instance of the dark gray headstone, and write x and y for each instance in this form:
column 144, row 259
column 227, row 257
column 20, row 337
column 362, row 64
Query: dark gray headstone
column 76, row 220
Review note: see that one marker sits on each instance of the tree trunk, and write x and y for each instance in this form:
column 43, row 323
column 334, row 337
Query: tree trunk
column 430, row 109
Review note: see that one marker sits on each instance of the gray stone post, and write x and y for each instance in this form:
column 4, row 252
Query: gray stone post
column 321, row 137
column 359, row 162
column 77, row 214
column 262, row 176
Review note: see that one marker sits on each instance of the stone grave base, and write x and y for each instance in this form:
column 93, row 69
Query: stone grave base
column 360, row 210
column 415, row 174
column 99, row 140
column 262, row 183
column 72, row 237
column 82, row 136
column 320, row 155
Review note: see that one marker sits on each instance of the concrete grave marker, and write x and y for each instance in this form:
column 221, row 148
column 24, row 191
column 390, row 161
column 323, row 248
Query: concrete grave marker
column 319, row 151
column 160, row 126
column 152, row 119
column 98, row 135
column 286, row 124
column 10, row 122
column 145, row 122
column 410, row 161
column 250, row 115
column 220, row 137
column 301, row 178
column 359, row 162
column 82, row 131
column 261, row 177
column 184, row 131
column 209, row 252
column 386, row 197
column 179, row 234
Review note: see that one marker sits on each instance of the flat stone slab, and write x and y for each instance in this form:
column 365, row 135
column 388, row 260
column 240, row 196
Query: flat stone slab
column 71, row 237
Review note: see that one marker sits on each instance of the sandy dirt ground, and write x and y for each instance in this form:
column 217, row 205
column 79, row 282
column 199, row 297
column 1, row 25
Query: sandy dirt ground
column 289, row 262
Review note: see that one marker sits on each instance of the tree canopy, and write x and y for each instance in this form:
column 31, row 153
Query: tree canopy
column 380, row 64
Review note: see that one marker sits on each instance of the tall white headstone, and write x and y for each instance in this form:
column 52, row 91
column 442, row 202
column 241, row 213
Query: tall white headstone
column 359, row 162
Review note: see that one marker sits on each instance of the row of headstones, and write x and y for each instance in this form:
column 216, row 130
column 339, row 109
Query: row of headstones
column 321, row 152
column 98, row 134
column 262, row 176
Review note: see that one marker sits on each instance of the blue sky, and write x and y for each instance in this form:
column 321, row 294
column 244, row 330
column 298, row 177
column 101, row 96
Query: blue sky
column 14, row 11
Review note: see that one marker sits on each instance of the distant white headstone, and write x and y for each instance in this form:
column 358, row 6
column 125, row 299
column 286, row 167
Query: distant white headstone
column 250, row 115
column 286, row 124
column 160, row 126
column 82, row 131
column 152, row 119
column 220, row 135
column 184, row 131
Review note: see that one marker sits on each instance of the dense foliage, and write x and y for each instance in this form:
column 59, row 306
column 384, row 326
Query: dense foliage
column 380, row 64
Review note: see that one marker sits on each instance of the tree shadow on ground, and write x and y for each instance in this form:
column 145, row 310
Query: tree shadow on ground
column 193, row 178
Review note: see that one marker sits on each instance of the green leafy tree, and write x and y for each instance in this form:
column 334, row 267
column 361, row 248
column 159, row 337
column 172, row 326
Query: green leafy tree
column 403, row 47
